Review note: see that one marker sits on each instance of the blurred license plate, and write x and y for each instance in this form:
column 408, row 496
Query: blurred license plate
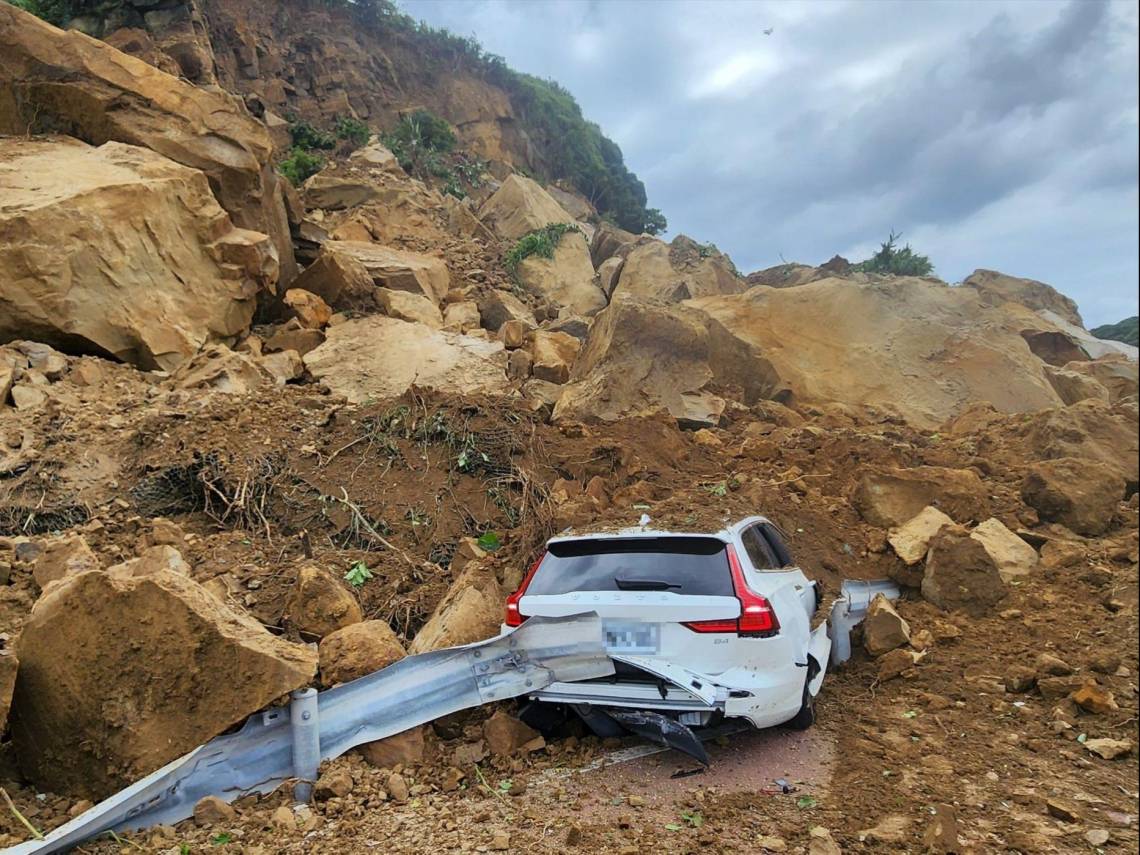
column 632, row 637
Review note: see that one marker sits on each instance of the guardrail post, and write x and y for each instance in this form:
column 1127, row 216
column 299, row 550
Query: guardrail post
column 304, row 720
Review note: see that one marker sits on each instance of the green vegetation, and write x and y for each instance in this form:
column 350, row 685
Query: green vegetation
column 299, row 165
column 1127, row 331
column 541, row 242
column 57, row 12
column 418, row 141
column 573, row 148
column 352, row 131
column 489, row 541
column 892, row 260
column 358, row 574
column 309, row 138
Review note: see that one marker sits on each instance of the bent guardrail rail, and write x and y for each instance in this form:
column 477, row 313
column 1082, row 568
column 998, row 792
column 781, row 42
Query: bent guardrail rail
column 281, row 744
column 849, row 609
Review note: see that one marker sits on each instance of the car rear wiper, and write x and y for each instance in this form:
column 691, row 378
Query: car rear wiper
column 643, row 584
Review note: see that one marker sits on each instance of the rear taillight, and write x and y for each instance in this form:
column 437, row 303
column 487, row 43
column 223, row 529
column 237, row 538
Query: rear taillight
column 513, row 616
column 756, row 616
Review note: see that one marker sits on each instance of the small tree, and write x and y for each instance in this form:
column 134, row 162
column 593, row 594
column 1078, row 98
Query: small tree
column 890, row 259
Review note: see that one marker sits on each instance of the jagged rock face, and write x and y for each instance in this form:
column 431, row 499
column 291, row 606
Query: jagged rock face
column 519, row 206
column 567, row 279
column 120, row 251
column 1000, row 287
column 397, row 269
column 379, row 357
column 908, row 346
column 53, row 81
column 119, row 676
column 676, row 271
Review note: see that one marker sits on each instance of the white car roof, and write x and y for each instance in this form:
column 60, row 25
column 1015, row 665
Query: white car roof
column 726, row 534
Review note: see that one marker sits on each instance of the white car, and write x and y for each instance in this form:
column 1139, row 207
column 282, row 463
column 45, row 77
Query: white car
column 701, row 626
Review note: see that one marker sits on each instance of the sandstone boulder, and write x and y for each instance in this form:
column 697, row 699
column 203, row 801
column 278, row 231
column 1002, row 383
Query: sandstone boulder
column 553, row 355
column 1073, row 386
column 64, row 556
column 1013, row 556
column 379, row 357
column 608, row 273
column 1117, row 375
column 462, row 316
column 505, row 735
column 1081, row 495
column 961, row 575
column 1089, row 430
column 397, row 269
column 294, row 338
column 319, row 605
column 357, row 650
column 889, row 497
column 283, row 366
column 311, row 311
column 1033, row 295
column 681, row 270
column 51, row 80
column 145, row 668
column 609, row 241
column 567, row 279
column 470, row 611
column 519, row 206
column 912, row 539
column 406, row 306
column 336, row 192
column 883, row 627
column 219, row 369
column 154, row 559
column 120, row 251
column 498, row 307
column 334, row 275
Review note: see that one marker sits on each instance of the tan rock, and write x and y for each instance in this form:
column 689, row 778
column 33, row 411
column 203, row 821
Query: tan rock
column 567, row 279
column 337, row 192
column 999, row 287
column 406, row 306
column 64, row 556
column 398, row 269
column 43, row 358
column 380, row 358
column 820, row 842
column 519, row 206
column 470, row 611
column 1073, row 386
column 283, row 819
column 312, row 312
column 513, row 333
column 681, row 270
column 543, row 391
column 883, row 628
column 403, row 749
column 1049, row 665
column 81, row 672
column 1014, row 557
column 1096, row 699
column 25, row 397
column 911, row 540
column 219, row 369
column 319, row 605
column 961, row 575
column 211, row 810
column 554, row 354
column 377, row 157
column 397, row 787
column 335, row 783
column 608, row 273
column 895, row 663
column 298, row 340
column 357, row 650
column 283, row 366
column 462, row 316
column 1081, row 495
column 335, row 275
column 173, row 273
column 498, row 307
column 519, row 365
column 154, row 559
column 1109, row 749
column 890, row 497
column 505, row 735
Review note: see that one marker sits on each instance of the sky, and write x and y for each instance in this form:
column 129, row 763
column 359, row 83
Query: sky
column 990, row 134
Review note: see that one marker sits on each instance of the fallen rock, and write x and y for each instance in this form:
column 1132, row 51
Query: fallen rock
column 1073, row 386
column 1109, row 749
column 820, row 842
column 505, row 735
column 1061, row 809
column 941, row 836
column 1061, row 553
column 378, row 358
column 337, row 192
column 283, row 366
column 519, row 365
column 118, row 660
column 567, row 279
column 295, row 339
column 335, row 783
column 1014, row 557
column 553, row 354
column 498, row 307
column 406, row 306
column 1081, row 495
column 1049, row 665
column 462, row 316
column 154, row 559
column 403, row 749
column 211, row 810
column 216, row 368
column 661, row 272
column 999, row 287
column 397, row 787
column 1094, row 698
column 895, row 663
column 356, row 650
column 912, row 539
column 63, row 556
column 283, row 819
column 893, row 828
column 471, row 610
column 398, row 269
column 770, row 843
column 1020, row 679
column 519, row 206
column 889, row 497
column 27, row 398
column 319, row 605
column 143, row 217
column 608, row 273
column 310, row 310
column 883, row 628
column 513, row 334
column 961, row 575
column 334, row 275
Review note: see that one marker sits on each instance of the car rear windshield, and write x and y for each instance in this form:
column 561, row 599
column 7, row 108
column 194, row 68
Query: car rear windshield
column 679, row 565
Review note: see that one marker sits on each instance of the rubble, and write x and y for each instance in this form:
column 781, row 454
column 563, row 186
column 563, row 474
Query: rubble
column 1080, row 494
column 519, row 206
column 960, row 574
column 319, row 605
column 883, row 628
column 912, row 539
column 356, row 650
column 890, row 497
column 1014, row 557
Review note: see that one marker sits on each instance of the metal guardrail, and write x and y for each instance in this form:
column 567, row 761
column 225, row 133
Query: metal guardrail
column 849, row 609
column 278, row 745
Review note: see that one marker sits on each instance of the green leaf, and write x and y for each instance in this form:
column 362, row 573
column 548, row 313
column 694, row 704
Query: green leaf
column 358, row 574
column 806, row 802
column 910, row 714
column 489, row 541
column 221, row 839
column 672, row 826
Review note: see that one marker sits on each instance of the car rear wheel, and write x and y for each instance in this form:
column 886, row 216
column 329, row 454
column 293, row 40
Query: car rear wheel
column 805, row 718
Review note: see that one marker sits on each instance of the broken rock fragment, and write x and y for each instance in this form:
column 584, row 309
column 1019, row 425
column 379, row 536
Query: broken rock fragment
column 470, row 611
column 319, row 605
column 883, row 628
column 145, row 668
column 890, row 497
column 1109, row 749
column 505, row 734
column 1081, row 495
column 64, row 556
column 911, row 540
column 960, row 574
column 1013, row 556
column 358, row 649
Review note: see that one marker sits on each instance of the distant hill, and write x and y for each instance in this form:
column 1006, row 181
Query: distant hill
column 1125, row 331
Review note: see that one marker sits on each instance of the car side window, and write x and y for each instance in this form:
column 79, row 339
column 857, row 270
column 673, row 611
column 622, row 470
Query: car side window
column 757, row 548
column 777, row 544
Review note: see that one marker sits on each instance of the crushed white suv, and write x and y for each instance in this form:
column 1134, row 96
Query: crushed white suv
column 701, row 627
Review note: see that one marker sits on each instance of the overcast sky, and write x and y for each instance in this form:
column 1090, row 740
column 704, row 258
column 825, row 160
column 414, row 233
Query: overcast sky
column 991, row 134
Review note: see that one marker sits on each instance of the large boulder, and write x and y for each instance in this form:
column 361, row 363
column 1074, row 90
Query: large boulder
column 409, row 307
column 609, row 242
column 961, row 575
column 470, row 611
column 998, row 287
column 890, row 497
column 1088, row 429
column 334, row 275
column 120, row 675
column 497, row 307
column 519, row 206
column 672, row 272
column 379, row 357
column 52, row 80
column 567, row 279
column 911, row 540
column 1012, row 555
column 357, row 650
column 553, row 355
column 910, row 347
column 1080, row 494
column 1117, row 375
column 1073, row 386
column 398, row 269
column 319, row 605
column 120, row 251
